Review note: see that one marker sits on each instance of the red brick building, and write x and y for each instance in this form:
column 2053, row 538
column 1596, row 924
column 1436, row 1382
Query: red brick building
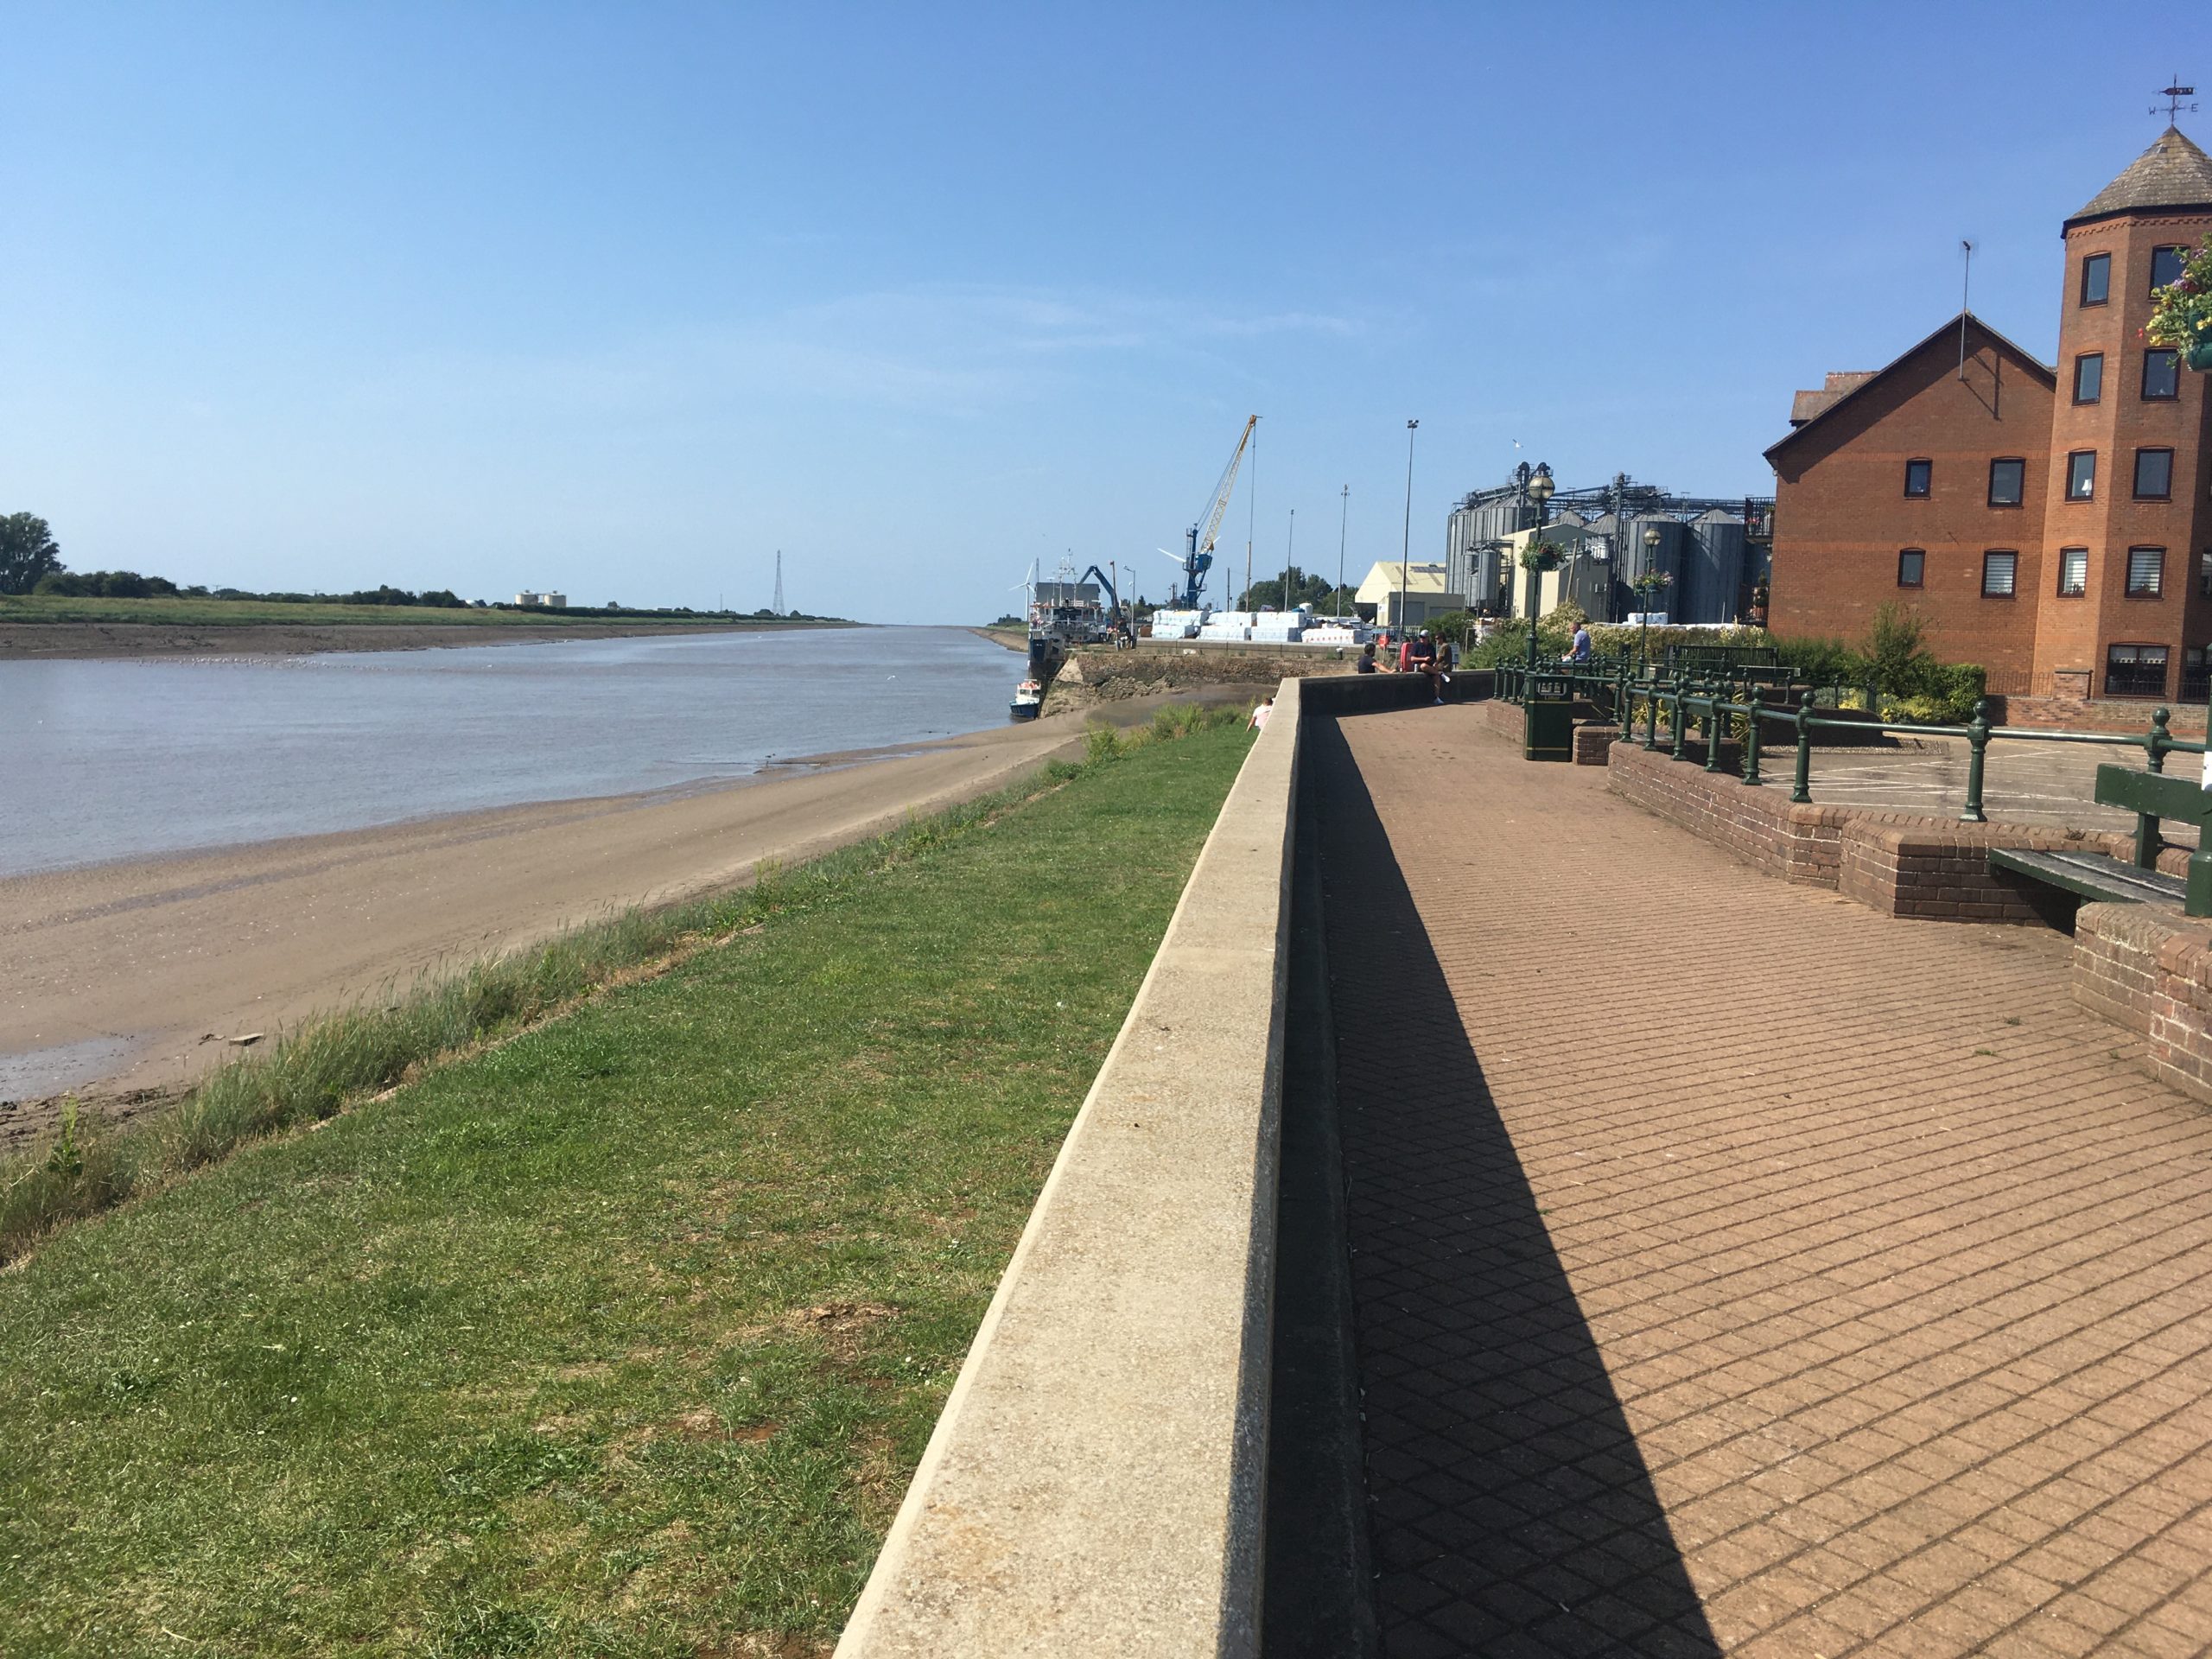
column 2051, row 525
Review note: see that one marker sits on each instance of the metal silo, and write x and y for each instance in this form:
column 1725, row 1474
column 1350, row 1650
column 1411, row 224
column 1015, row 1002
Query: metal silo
column 1717, row 539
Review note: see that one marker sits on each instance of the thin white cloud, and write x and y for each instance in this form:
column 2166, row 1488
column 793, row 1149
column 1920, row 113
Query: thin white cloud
column 951, row 350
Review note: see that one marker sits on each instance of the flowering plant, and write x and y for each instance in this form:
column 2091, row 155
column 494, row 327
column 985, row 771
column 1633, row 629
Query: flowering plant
column 2181, row 312
column 1651, row 581
column 1540, row 555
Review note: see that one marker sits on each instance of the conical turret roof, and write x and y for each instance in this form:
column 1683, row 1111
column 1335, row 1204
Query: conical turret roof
column 2173, row 172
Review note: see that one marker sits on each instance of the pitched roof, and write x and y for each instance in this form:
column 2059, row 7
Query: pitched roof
column 2172, row 173
column 1841, row 385
column 1948, row 331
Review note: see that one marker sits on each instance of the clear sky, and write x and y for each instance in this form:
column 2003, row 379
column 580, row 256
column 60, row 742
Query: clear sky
column 622, row 298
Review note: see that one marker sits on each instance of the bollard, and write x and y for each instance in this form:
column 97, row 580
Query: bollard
column 1978, row 748
column 1801, row 789
column 2160, row 740
column 1752, row 740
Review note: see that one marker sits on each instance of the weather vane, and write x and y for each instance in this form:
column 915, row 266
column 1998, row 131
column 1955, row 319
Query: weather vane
column 2173, row 95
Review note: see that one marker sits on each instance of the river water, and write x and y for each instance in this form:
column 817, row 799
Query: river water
column 109, row 759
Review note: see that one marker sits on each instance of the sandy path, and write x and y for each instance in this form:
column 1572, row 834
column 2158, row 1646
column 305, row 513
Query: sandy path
column 114, row 972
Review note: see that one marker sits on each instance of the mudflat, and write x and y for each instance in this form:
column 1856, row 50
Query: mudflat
column 54, row 641
column 125, row 981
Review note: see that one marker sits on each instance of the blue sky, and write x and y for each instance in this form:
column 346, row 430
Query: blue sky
column 620, row 299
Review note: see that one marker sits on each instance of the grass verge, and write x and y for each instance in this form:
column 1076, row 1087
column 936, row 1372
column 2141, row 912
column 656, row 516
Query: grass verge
column 619, row 1338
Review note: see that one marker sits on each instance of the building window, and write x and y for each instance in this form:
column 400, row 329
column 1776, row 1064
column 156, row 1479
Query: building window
column 2073, row 572
column 1917, row 476
column 2165, row 266
column 2082, row 475
column 1912, row 567
column 2088, row 376
column 2005, row 477
column 1998, row 572
column 2195, row 680
column 2154, row 475
column 2096, row 279
column 2146, row 572
column 2161, row 373
column 2204, row 573
column 2135, row 671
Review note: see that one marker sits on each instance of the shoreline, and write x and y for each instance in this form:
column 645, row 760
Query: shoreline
column 124, row 641
column 132, row 978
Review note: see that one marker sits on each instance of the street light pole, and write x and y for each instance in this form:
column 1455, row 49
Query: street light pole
column 1540, row 492
column 1343, row 524
column 1406, row 545
column 1647, row 586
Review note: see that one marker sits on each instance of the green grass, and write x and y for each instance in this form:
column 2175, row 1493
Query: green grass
column 620, row 1338
column 250, row 613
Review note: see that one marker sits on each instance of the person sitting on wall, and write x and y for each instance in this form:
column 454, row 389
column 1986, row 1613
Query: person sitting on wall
column 1260, row 710
column 1579, row 650
column 1420, row 658
column 1366, row 664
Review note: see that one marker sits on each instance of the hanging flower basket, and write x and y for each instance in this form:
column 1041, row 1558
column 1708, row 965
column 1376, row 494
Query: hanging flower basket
column 1542, row 556
column 2181, row 315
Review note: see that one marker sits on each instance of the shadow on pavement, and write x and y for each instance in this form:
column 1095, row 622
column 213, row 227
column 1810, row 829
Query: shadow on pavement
column 1509, row 1509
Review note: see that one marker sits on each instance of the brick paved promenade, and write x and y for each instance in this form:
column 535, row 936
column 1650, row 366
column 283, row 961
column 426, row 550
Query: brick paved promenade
column 1739, row 1271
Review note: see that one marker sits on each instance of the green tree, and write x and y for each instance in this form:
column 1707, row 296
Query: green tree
column 28, row 551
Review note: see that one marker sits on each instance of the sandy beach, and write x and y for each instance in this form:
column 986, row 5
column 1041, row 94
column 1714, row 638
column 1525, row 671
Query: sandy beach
column 125, row 981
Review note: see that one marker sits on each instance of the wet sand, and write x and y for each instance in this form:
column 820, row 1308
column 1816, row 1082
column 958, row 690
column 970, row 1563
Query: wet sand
column 118, row 975
column 58, row 641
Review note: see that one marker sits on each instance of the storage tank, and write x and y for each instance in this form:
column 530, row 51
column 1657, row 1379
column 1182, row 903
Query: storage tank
column 1636, row 558
column 1716, row 558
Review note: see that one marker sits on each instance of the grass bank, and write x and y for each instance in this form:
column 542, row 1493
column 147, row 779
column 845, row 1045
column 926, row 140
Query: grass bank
column 622, row 1338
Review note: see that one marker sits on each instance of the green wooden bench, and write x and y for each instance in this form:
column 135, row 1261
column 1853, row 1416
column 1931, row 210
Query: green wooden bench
column 2152, row 797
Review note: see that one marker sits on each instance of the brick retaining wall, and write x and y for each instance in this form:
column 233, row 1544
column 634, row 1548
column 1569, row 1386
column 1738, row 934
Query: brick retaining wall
column 2150, row 971
column 1938, row 870
column 2073, row 714
column 1800, row 843
column 1901, row 863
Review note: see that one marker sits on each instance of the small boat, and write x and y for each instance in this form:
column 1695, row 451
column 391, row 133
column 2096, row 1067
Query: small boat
column 1029, row 700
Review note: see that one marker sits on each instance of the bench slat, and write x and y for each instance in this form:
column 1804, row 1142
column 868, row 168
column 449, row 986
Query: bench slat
column 2156, row 794
column 2093, row 876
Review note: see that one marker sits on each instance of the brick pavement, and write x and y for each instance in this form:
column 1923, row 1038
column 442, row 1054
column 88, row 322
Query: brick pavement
column 1739, row 1270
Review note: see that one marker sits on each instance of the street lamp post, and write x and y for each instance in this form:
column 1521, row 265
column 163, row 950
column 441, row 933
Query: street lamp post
column 1540, row 492
column 1406, row 546
column 1343, row 524
column 1647, row 586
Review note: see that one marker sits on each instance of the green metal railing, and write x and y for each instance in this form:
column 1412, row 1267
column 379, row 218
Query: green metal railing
column 1716, row 710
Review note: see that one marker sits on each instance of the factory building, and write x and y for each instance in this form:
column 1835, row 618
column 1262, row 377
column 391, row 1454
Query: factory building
column 1713, row 550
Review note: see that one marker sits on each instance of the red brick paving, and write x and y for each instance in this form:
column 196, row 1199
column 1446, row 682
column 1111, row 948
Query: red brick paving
column 1740, row 1271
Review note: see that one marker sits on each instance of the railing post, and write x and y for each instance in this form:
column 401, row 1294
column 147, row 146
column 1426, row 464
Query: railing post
column 2160, row 740
column 1801, row 788
column 1650, row 711
column 1977, row 750
column 1751, row 738
column 1628, row 705
column 1678, row 720
column 1713, row 728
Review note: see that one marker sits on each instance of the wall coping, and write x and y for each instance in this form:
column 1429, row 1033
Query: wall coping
column 1095, row 1484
